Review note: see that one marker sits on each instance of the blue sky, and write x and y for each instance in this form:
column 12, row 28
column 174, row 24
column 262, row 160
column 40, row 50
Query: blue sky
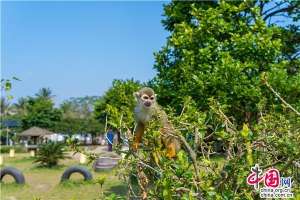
column 78, row 48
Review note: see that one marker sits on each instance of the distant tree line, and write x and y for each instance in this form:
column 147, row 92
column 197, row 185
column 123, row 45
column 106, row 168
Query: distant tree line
column 72, row 116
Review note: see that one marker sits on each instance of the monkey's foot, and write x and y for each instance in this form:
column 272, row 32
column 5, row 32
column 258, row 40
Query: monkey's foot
column 171, row 152
column 135, row 146
column 171, row 155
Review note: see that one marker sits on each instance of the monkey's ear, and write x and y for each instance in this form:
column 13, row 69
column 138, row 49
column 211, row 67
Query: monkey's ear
column 136, row 95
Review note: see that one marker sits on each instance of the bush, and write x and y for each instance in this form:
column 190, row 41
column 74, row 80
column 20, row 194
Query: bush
column 48, row 154
column 18, row 149
column 273, row 141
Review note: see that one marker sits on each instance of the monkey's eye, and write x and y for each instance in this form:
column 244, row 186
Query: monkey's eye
column 145, row 97
column 151, row 98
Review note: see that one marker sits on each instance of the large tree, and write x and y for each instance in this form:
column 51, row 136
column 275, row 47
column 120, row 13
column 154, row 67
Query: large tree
column 45, row 93
column 222, row 49
column 40, row 112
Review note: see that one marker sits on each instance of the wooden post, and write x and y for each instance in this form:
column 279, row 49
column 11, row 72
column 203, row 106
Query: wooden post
column 105, row 127
column 83, row 158
column 7, row 141
column 1, row 160
column 11, row 153
column 32, row 153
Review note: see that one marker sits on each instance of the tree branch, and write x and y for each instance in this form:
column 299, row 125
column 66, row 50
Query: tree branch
column 261, row 6
column 277, row 5
column 273, row 164
column 286, row 9
column 277, row 95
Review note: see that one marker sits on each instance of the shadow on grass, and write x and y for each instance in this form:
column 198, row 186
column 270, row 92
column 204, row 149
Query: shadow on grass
column 4, row 185
column 75, row 183
column 120, row 189
column 21, row 160
column 44, row 167
column 117, row 189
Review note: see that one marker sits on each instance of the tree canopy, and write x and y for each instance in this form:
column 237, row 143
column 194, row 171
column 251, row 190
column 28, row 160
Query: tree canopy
column 117, row 103
column 221, row 51
column 41, row 113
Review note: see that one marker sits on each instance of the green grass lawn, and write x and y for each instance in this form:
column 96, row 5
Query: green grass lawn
column 44, row 183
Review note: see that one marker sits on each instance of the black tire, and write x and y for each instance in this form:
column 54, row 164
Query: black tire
column 76, row 169
column 17, row 174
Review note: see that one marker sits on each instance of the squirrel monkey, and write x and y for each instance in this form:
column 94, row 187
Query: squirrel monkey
column 145, row 110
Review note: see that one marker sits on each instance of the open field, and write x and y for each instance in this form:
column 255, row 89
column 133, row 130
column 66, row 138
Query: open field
column 44, row 183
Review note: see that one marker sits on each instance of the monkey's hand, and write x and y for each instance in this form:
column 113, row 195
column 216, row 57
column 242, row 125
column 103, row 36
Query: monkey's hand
column 135, row 146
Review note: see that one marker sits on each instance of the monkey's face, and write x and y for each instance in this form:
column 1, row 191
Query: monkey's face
column 145, row 97
column 147, row 100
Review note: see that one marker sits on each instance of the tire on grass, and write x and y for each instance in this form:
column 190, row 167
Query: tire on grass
column 76, row 169
column 15, row 173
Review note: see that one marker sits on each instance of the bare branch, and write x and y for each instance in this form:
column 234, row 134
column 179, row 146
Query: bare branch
column 286, row 9
column 296, row 164
column 281, row 99
column 196, row 145
column 295, row 56
column 277, row 5
column 271, row 165
column 261, row 6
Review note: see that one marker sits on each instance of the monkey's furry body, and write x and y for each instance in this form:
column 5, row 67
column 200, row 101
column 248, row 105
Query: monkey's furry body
column 144, row 115
column 147, row 109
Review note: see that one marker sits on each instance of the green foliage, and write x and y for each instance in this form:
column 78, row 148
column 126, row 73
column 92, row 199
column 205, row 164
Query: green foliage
column 100, row 181
column 80, row 107
column 211, row 80
column 4, row 106
column 40, row 112
column 117, row 103
column 18, row 149
column 77, row 125
column 74, row 115
column 44, row 93
column 20, row 106
column 272, row 142
column 221, row 50
column 77, row 116
column 50, row 153
column 5, row 86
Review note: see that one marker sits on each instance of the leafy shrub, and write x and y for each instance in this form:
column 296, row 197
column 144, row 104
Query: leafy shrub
column 48, row 154
column 274, row 141
column 18, row 149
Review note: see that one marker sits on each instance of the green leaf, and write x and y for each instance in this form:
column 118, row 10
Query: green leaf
column 245, row 131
